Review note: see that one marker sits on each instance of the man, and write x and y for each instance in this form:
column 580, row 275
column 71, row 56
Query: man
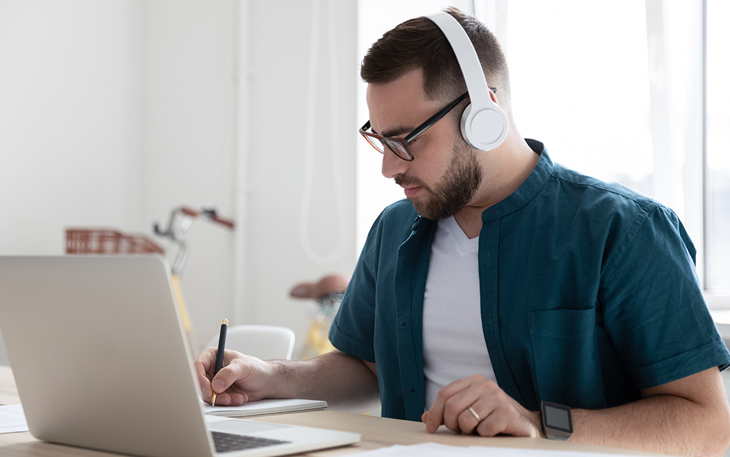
column 505, row 280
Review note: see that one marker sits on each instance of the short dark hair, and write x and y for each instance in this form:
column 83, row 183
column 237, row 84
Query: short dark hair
column 419, row 43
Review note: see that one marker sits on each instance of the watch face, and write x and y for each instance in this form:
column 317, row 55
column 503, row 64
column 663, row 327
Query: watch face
column 557, row 417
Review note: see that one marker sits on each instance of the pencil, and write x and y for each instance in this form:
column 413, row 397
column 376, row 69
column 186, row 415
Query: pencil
column 219, row 354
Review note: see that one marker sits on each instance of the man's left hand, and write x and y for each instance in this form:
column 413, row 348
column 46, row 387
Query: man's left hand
column 497, row 412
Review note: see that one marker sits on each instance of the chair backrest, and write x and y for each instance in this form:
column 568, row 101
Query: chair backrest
column 263, row 341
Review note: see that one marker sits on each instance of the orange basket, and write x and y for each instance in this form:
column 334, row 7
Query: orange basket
column 108, row 241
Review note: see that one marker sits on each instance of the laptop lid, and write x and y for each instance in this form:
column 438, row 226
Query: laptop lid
column 100, row 359
column 97, row 348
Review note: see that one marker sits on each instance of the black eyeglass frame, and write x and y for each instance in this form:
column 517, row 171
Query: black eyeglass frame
column 418, row 131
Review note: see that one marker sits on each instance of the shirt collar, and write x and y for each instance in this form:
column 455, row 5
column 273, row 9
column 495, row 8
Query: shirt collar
column 528, row 189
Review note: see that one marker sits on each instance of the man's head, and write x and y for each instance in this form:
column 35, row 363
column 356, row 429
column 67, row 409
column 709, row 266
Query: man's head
column 413, row 74
column 419, row 43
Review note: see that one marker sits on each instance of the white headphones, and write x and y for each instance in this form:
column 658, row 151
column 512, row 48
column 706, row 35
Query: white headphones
column 484, row 125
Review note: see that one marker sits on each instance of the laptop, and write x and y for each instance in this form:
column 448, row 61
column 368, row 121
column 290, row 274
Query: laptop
column 100, row 360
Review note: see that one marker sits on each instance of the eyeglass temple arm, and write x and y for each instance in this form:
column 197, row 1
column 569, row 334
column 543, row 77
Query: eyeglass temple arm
column 435, row 118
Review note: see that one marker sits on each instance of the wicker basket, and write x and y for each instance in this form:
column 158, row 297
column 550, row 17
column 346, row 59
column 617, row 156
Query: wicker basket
column 108, row 241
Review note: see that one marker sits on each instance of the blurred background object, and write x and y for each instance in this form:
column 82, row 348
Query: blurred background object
column 328, row 293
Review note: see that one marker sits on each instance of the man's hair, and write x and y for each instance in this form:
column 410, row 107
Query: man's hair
column 419, row 43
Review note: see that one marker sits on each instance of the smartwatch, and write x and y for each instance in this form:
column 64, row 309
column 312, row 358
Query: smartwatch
column 557, row 422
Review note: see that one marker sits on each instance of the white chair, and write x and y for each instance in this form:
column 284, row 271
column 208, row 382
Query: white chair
column 263, row 341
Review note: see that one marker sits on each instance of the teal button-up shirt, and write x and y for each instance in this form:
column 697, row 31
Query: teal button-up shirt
column 588, row 294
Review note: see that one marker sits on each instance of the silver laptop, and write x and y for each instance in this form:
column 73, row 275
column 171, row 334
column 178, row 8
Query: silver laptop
column 100, row 360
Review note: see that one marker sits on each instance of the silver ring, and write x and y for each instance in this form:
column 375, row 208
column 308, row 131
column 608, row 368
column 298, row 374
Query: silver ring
column 474, row 413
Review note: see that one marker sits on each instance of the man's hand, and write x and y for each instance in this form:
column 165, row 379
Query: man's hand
column 345, row 382
column 243, row 378
column 498, row 412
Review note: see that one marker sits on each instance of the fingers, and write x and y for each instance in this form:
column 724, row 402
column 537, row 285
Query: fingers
column 468, row 421
column 508, row 419
column 451, row 401
column 204, row 367
column 494, row 424
column 205, row 361
column 229, row 399
column 457, row 416
column 243, row 378
column 203, row 364
column 477, row 404
column 229, row 374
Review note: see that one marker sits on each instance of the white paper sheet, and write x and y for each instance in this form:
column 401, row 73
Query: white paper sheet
column 440, row 450
column 12, row 419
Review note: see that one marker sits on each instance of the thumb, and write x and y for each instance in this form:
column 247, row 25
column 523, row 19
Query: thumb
column 239, row 369
column 224, row 379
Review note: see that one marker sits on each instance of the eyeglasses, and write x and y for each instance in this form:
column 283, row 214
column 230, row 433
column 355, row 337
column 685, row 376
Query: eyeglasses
column 399, row 146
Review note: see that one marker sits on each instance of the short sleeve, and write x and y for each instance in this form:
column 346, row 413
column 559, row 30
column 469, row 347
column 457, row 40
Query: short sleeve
column 653, row 308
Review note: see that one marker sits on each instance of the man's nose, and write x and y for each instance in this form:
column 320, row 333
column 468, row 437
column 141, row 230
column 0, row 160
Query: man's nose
column 392, row 164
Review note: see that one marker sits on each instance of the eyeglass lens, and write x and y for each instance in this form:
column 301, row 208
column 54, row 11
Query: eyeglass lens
column 396, row 147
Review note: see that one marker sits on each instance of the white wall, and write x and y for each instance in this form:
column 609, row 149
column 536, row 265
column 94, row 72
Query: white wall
column 112, row 113
column 69, row 121
column 187, row 59
column 280, row 34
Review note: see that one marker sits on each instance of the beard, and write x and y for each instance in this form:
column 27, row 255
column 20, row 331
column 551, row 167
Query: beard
column 455, row 190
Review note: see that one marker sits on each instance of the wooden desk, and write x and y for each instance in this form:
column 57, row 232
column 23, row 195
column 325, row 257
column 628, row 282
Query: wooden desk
column 376, row 432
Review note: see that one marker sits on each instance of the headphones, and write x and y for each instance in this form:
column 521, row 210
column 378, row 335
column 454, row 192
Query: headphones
column 484, row 125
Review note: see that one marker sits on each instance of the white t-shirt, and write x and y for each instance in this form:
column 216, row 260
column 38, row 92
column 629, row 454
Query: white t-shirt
column 453, row 339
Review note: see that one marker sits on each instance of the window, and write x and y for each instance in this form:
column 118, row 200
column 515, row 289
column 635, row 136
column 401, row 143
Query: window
column 718, row 156
column 586, row 96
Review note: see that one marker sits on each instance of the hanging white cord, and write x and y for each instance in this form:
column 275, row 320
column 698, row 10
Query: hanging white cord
column 334, row 141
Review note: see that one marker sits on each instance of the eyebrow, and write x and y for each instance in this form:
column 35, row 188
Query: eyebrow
column 395, row 131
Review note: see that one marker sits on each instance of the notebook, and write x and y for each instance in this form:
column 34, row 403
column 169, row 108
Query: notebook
column 100, row 361
column 266, row 406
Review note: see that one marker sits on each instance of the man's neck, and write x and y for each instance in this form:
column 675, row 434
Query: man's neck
column 514, row 164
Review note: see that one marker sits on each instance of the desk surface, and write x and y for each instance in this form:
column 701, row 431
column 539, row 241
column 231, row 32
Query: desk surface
column 376, row 432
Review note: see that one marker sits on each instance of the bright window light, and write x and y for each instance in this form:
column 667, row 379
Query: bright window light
column 718, row 157
column 582, row 88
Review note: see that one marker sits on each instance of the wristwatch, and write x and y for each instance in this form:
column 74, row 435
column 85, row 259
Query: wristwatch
column 557, row 422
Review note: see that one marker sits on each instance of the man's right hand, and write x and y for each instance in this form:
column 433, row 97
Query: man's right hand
column 243, row 378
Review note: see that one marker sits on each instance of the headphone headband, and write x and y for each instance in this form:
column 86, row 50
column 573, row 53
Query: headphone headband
column 466, row 55
column 484, row 125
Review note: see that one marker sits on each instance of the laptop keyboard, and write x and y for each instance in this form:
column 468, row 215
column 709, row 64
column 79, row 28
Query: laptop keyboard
column 227, row 442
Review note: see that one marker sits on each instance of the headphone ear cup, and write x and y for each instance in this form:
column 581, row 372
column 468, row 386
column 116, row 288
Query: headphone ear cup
column 465, row 125
column 485, row 129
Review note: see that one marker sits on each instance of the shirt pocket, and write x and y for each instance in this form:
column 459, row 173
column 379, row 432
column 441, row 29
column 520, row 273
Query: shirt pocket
column 566, row 364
